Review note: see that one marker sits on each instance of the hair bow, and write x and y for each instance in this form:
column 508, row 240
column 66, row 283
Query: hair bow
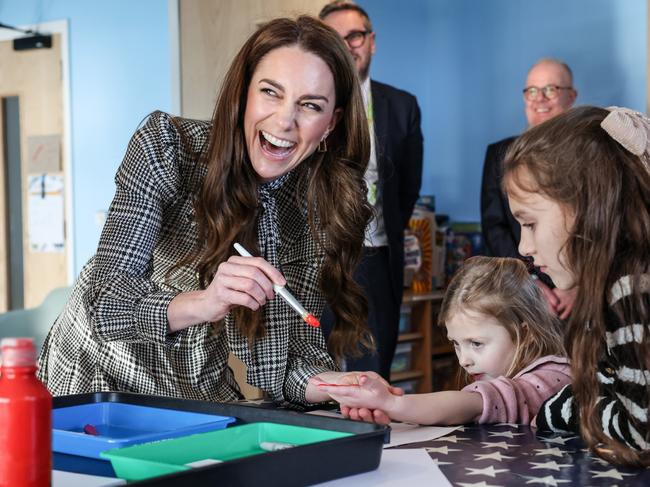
column 629, row 128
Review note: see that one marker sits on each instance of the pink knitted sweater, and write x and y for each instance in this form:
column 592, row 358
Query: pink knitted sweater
column 518, row 399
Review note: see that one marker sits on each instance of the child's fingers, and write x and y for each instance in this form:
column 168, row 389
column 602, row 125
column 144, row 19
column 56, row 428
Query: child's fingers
column 380, row 417
column 565, row 314
column 353, row 413
column 366, row 415
column 551, row 299
column 345, row 411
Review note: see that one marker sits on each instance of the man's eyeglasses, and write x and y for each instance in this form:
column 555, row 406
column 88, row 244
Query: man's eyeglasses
column 356, row 38
column 550, row 91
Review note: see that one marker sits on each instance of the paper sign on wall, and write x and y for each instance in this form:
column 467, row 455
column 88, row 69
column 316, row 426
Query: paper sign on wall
column 44, row 153
column 46, row 214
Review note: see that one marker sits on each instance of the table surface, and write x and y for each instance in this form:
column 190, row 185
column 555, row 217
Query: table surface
column 494, row 455
column 508, row 454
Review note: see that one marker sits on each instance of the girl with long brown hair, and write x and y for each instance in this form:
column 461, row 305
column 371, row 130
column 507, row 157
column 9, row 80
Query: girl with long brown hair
column 507, row 342
column 579, row 185
column 279, row 169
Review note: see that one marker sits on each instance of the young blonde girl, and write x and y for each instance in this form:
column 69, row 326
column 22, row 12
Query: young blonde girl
column 506, row 341
column 579, row 185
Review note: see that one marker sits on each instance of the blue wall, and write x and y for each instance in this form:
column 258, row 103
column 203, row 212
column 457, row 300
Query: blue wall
column 119, row 72
column 467, row 60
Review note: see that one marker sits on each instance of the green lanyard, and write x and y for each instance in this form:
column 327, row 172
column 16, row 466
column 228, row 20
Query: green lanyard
column 372, row 187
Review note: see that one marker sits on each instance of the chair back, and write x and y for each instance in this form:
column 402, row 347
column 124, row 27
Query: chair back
column 35, row 322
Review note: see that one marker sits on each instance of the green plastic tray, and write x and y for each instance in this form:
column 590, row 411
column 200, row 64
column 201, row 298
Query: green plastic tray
column 169, row 456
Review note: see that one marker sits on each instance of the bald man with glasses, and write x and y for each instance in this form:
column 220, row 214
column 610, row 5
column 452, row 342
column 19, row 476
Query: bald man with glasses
column 548, row 92
column 393, row 177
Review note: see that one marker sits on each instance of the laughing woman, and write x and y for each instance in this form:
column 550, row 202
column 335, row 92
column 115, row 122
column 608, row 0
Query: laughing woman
column 279, row 169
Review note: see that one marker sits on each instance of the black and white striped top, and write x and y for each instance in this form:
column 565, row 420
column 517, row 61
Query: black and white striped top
column 623, row 403
column 112, row 334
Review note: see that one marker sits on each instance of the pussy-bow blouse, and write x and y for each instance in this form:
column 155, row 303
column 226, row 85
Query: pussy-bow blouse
column 112, row 334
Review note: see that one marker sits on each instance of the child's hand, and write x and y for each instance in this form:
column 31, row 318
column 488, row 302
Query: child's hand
column 363, row 414
column 566, row 299
column 368, row 392
column 551, row 299
column 351, row 378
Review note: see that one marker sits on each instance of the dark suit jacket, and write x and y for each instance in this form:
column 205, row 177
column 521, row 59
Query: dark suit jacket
column 399, row 160
column 501, row 231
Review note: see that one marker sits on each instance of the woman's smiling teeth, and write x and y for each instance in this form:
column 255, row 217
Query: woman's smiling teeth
column 276, row 146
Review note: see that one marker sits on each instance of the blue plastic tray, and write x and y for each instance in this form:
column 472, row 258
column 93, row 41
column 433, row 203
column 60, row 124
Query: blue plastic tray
column 119, row 425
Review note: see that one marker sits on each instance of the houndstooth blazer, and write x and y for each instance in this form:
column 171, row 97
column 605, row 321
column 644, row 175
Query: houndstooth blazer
column 112, row 334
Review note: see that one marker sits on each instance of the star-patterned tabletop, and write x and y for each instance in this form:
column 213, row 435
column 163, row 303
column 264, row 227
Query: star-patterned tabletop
column 510, row 454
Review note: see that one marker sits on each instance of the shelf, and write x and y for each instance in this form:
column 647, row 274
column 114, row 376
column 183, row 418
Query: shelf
column 423, row 311
column 409, row 337
column 406, row 375
column 411, row 297
column 442, row 349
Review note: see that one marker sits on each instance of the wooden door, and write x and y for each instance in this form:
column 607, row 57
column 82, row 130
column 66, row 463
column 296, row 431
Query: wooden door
column 211, row 34
column 35, row 78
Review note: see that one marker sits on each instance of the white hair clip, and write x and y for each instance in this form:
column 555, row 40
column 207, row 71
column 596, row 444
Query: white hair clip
column 629, row 128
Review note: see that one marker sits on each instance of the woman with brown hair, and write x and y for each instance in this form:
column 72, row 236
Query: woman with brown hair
column 579, row 185
column 279, row 169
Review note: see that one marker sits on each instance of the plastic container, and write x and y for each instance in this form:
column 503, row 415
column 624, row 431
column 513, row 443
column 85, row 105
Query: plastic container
column 119, row 425
column 303, row 465
column 168, row 456
column 402, row 358
column 25, row 418
column 404, row 319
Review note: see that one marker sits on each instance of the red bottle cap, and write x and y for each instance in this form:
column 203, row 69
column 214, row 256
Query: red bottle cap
column 18, row 352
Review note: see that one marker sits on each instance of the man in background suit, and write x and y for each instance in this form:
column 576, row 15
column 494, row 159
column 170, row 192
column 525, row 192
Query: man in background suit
column 549, row 91
column 393, row 176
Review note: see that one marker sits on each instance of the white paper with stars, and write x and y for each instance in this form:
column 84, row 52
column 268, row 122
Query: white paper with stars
column 513, row 455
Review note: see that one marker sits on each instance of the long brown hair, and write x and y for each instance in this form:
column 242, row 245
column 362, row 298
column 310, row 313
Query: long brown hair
column 572, row 160
column 501, row 288
column 331, row 182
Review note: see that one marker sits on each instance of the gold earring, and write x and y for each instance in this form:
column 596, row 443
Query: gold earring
column 322, row 145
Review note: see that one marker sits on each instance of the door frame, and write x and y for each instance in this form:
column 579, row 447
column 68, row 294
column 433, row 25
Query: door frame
column 60, row 27
column 173, row 11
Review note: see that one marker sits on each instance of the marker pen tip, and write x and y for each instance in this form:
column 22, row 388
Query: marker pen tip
column 311, row 320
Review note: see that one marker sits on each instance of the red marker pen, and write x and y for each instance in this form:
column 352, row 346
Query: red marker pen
column 309, row 318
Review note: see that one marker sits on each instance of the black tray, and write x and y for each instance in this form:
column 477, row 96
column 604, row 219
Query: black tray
column 301, row 465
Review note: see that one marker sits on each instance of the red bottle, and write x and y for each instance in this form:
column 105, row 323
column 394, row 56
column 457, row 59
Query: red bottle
column 25, row 418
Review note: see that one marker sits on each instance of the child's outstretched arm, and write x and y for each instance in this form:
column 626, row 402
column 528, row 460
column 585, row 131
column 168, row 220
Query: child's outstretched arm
column 446, row 407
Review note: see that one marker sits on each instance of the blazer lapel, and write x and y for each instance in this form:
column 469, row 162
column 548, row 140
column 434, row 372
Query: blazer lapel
column 380, row 115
